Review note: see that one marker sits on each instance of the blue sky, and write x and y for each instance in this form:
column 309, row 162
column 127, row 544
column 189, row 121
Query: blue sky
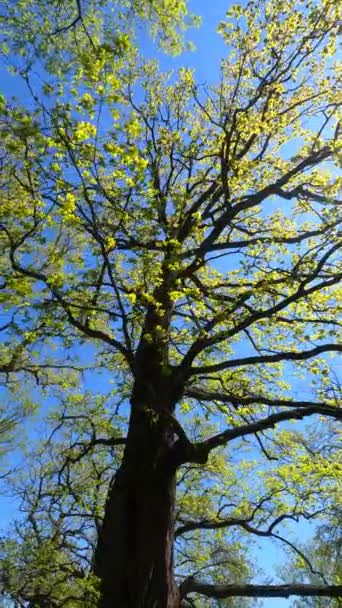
column 205, row 60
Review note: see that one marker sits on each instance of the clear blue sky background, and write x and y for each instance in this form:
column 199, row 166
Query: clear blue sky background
column 205, row 60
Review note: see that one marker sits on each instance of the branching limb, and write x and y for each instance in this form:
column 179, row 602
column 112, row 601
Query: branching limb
column 201, row 394
column 199, row 452
column 281, row 356
column 73, row 23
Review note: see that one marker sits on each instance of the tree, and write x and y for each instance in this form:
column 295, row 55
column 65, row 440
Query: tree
column 183, row 241
column 325, row 554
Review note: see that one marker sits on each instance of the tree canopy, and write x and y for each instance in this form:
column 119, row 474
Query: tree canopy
column 171, row 297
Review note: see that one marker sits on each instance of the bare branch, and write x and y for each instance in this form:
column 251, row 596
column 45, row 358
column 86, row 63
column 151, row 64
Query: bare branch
column 223, row 591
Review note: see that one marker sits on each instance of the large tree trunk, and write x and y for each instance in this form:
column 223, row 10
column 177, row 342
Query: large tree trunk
column 134, row 555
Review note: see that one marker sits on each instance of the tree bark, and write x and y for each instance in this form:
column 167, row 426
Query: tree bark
column 134, row 554
column 225, row 591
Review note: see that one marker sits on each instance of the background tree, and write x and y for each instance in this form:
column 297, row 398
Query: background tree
column 183, row 241
column 325, row 554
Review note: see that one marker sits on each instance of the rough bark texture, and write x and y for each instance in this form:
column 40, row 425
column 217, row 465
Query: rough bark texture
column 134, row 555
column 224, row 591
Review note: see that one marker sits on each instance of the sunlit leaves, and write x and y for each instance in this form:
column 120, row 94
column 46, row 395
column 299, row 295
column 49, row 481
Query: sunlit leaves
column 144, row 213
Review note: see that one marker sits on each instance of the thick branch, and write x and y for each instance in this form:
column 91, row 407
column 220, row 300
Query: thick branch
column 227, row 522
column 199, row 452
column 282, row 356
column 223, row 591
column 201, row 394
